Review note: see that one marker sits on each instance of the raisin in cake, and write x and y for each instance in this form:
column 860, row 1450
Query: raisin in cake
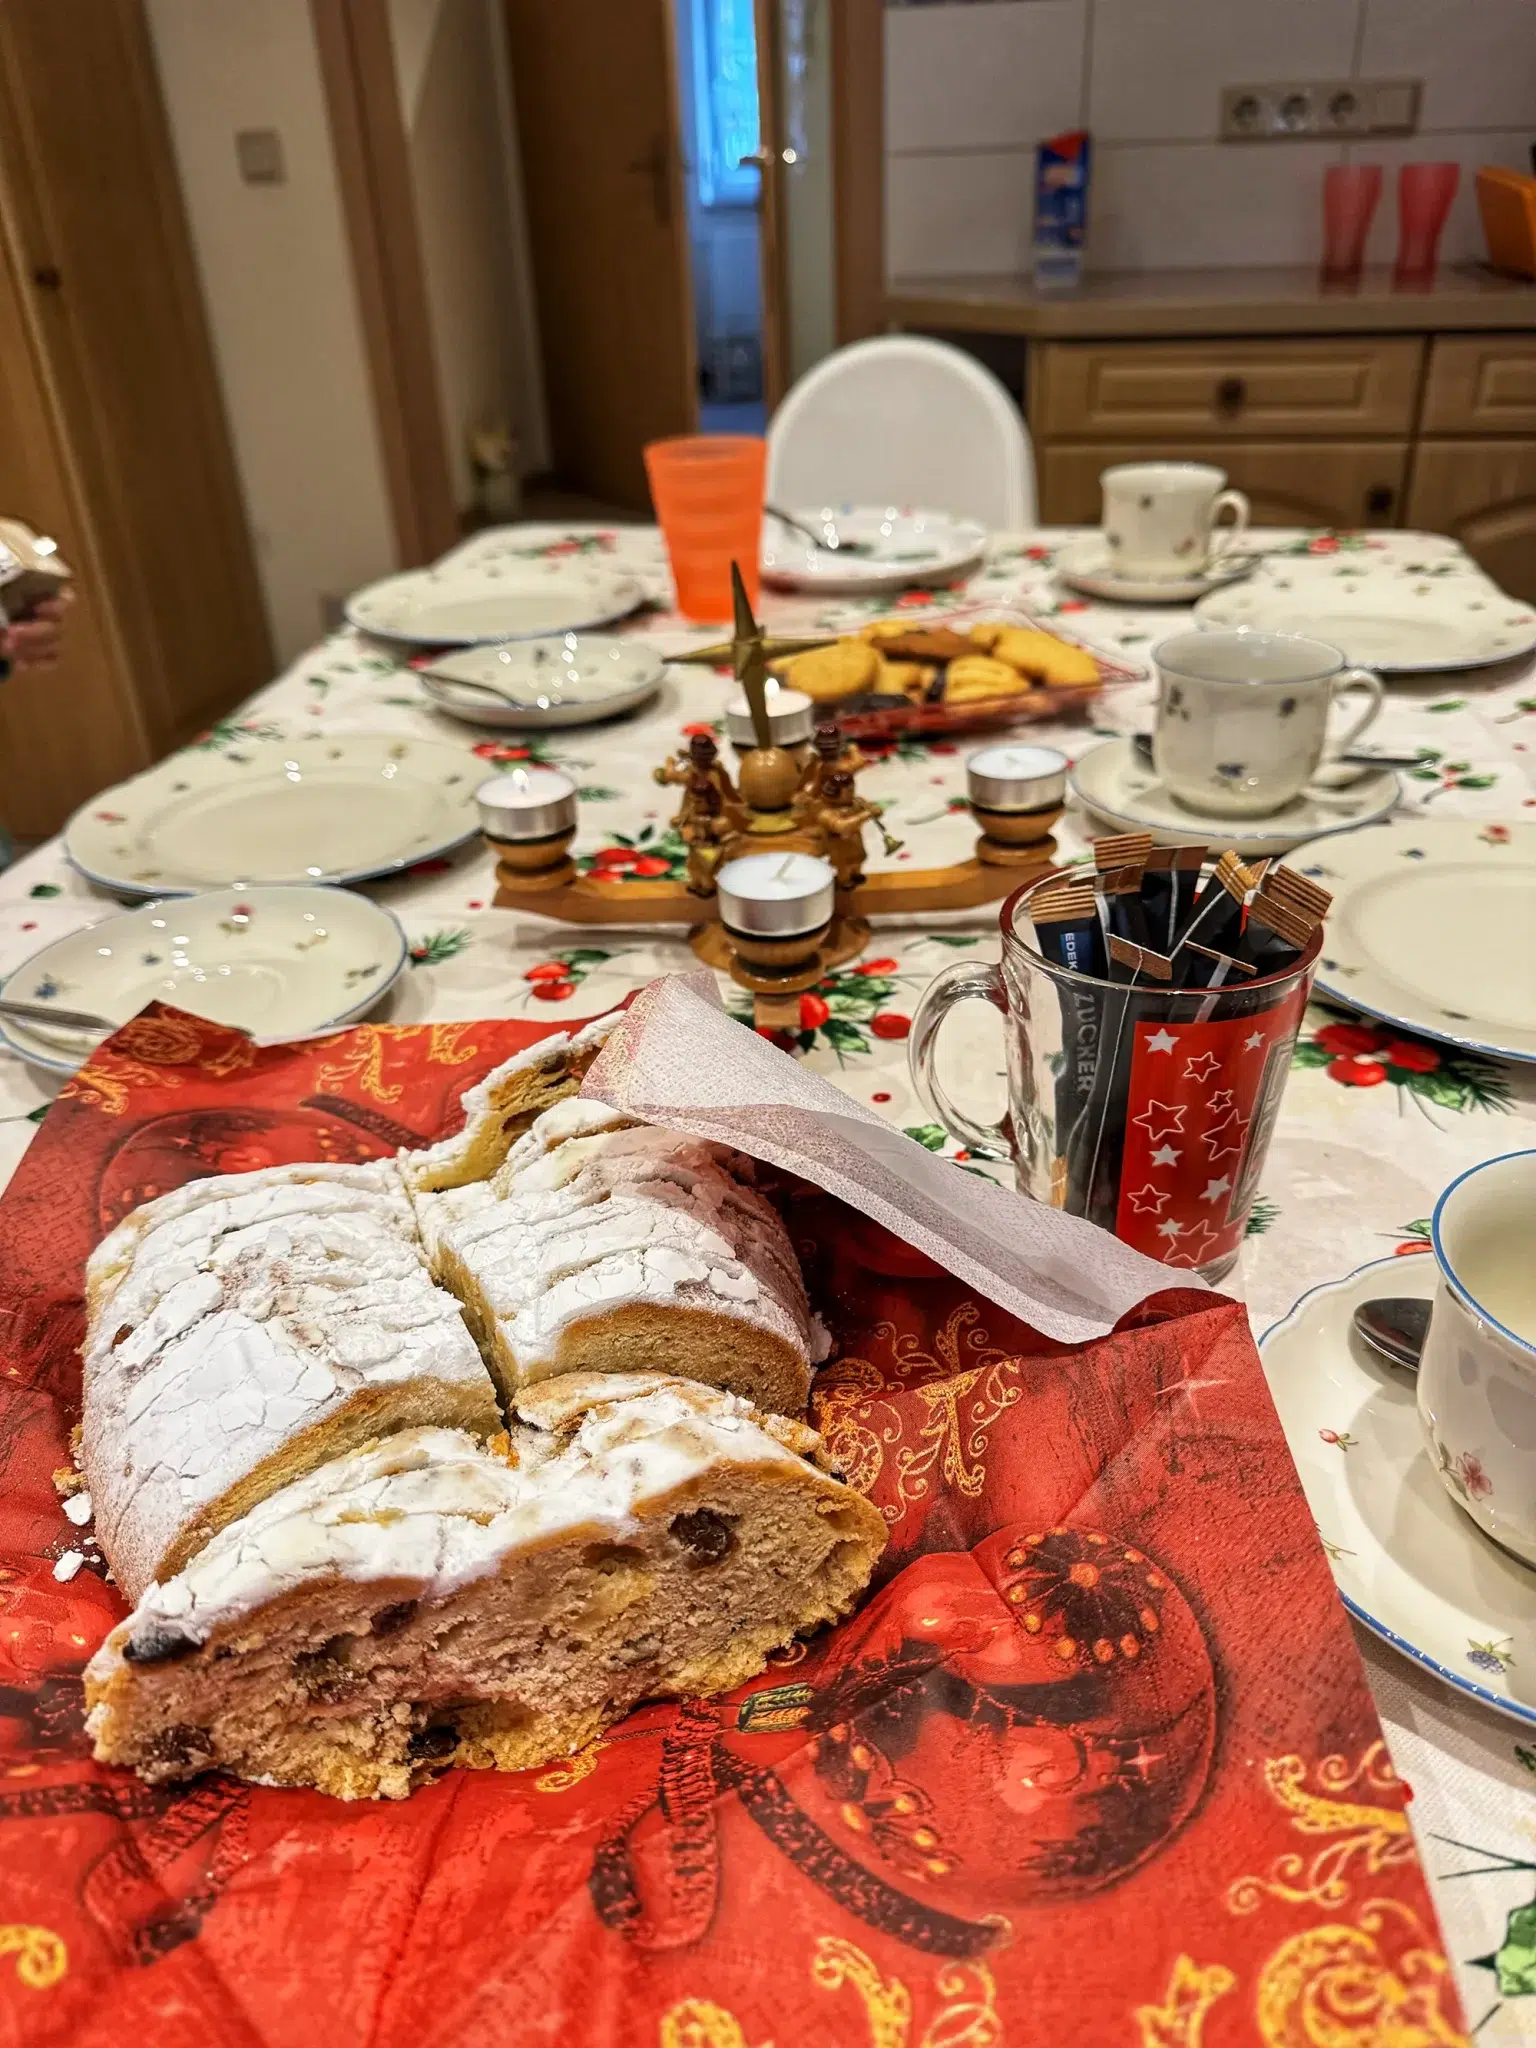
column 427, row 1600
column 608, row 1246
column 247, row 1329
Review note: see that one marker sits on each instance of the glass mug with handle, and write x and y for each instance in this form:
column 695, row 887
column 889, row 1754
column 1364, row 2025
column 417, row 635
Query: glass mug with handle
column 1146, row 1109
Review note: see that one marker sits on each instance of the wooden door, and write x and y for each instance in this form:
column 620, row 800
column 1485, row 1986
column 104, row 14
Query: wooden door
column 69, row 731
column 1482, row 493
column 1341, row 483
column 100, row 248
column 597, row 121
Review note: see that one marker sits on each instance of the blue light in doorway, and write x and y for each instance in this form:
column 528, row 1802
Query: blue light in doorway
column 725, row 101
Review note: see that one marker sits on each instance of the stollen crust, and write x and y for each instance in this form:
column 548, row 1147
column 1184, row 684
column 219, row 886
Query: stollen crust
column 262, row 1324
column 429, row 1599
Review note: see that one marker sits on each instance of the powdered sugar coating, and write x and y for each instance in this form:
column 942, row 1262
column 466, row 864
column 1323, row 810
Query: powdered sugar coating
column 436, row 1508
column 242, row 1326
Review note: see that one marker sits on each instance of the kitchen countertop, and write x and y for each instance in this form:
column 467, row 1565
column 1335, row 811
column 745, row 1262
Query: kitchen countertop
column 1146, row 304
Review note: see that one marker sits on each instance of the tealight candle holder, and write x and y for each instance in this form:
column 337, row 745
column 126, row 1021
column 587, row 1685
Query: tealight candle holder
column 529, row 816
column 776, row 909
column 791, row 723
column 1016, row 795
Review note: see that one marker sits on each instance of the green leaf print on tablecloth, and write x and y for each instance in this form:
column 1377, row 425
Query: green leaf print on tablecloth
column 436, row 947
column 225, row 733
column 45, row 889
column 1366, row 1055
column 1263, row 1213
column 652, row 854
column 1448, row 775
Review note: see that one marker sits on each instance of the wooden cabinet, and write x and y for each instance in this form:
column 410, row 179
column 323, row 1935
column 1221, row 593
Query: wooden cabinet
column 112, row 430
column 1240, row 390
column 1484, row 494
column 1342, row 483
column 1481, row 384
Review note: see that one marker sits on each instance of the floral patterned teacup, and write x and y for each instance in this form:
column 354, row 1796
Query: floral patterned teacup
column 1477, row 1376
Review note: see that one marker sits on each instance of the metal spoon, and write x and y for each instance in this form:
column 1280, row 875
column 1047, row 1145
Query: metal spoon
column 45, row 1013
column 1141, row 747
column 1396, row 1326
column 824, row 539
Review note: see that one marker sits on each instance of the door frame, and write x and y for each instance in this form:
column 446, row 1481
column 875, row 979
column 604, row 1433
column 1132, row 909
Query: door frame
column 372, row 151
column 858, row 165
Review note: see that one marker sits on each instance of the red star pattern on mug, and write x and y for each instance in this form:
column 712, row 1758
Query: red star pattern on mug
column 1224, row 1140
column 1197, row 1243
column 1147, row 1198
column 1159, row 1119
column 1201, row 1067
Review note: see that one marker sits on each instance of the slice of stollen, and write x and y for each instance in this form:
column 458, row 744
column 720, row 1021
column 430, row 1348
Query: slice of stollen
column 250, row 1339
column 427, row 1600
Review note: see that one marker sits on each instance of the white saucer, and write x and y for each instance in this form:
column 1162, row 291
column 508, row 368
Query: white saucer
column 280, row 963
column 1109, row 781
column 573, row 680
column 1085, row 564
column 1406, row 1560
column 896, row 546
column 461, row 606
column 1431, row 929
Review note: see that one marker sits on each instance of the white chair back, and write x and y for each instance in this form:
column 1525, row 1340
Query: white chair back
column 902, row 420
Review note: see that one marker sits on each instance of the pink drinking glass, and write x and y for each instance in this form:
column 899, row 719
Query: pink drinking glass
column 1350, row 196
column 1424, row 195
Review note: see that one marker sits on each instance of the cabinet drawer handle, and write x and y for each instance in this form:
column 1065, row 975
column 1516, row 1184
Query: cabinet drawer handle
column 1379, row 498
column 1231, row 395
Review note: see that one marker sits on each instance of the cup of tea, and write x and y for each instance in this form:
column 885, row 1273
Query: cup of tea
column 1477, row 1373
column 1161, row 518
column 1242, row 717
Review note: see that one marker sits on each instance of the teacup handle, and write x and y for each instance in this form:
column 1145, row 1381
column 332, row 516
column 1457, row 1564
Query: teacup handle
column 963, row 981
column 1356, row 679
column 1223, row 538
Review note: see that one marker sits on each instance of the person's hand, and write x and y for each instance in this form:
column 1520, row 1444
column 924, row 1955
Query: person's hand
column 37, row 640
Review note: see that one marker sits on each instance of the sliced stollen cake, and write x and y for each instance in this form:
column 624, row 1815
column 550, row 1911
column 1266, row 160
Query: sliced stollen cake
column 607, row 1246
column 502, row 1106
column 427, row 1601
column 248, row 1329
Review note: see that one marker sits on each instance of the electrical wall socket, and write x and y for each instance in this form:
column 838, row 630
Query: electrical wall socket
column 1307, row 109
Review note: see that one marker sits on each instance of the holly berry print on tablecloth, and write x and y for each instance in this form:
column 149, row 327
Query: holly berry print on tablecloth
column 537, row 752
column 652, row 854
column 552, row 980
column 1366, row 1055
column 847, row 1010
column 1448, row 775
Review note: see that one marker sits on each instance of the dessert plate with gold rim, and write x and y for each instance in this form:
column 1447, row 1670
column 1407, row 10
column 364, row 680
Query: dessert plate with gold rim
column 280, row 963
column 337, row 808
column 1431, row 929
column 1407, row 1562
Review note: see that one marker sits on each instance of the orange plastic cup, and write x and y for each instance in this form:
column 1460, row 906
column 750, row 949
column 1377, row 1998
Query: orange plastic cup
column 708, row 494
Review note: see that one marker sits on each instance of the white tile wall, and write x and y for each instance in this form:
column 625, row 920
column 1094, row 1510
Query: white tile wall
column 1159, row 65
column 970, row 90
column 983, row 77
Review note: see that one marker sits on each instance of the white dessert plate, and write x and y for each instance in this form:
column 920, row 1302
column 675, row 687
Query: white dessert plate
column 1383, row 616
column 472, row 606
column 887, row 547
column 1111, row 782
column 1086, row 565
column 279, row 963
column 1407, row 1562
column 574, row 679
column 1432, row 929
column 336, row 808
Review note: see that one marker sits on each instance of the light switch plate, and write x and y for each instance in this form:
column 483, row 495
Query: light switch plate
column 259, row 153
column 1305, row 109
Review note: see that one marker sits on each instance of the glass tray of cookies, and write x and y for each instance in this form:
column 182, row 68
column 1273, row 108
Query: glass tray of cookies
column 896, row 676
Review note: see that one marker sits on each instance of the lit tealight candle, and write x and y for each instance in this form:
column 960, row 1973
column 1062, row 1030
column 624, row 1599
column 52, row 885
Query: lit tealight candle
column 1009, row 778
column 791, row 719
column 527, row 803
column 776, row 895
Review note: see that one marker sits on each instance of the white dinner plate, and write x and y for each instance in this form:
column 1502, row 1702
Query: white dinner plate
column 1433, row 928
column 1406, row 1560
column 1113, row 784
column 495, row 600
column 339, row 808
column 1086, row 565
column 574, row 679
column 1396, row 619
column 891, row 547
column 279, row 963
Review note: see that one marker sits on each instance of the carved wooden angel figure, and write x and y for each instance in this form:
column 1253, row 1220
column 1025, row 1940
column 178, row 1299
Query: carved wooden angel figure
column 839, row 820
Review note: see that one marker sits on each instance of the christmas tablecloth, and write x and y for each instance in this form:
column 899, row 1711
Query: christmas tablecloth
column 1373, row 1125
